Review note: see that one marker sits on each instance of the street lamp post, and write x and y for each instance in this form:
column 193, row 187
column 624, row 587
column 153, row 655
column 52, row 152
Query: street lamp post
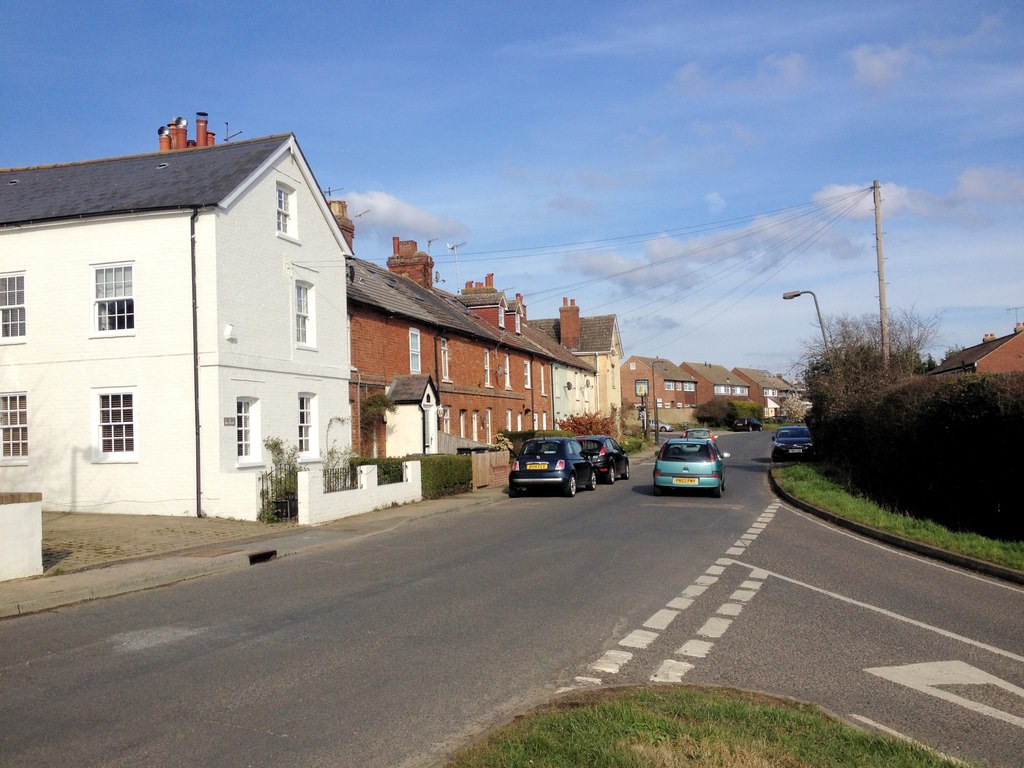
column 793, row 294
column 654, row 397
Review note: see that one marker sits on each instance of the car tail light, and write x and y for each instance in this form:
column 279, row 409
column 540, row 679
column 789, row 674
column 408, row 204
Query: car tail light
column 560, row 464
column 515, row 465
column 603, row 451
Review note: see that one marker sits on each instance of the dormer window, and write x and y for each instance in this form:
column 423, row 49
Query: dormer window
column 519, row 324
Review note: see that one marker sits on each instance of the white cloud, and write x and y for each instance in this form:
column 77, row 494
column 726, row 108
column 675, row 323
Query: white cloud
column 716, row 203
column 382, row 216
column 878, row 66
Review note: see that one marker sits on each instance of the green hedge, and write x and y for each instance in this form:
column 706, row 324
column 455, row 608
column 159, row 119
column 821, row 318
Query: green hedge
column 445, row 475
column 945, row 448
column 388, row 470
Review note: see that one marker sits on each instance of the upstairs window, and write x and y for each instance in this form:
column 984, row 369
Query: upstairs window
column 543, row 380
column 414, row 351
column 527, row 375
column 722, row 389
column 487, row 368
column 305, row 325
column 444, row 360
column 12, row 306
column 13, row 427
column 285, row 210
column 114, row 300
column 508, row 375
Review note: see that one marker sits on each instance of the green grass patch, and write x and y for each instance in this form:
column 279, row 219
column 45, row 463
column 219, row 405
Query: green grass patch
column 814, row 484
column 674, row 726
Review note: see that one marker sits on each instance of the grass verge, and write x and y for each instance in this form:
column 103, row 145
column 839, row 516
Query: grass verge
column 811, row 483
column 674, row 726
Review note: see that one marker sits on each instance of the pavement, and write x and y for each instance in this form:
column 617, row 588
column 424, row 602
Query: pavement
column 88, row 556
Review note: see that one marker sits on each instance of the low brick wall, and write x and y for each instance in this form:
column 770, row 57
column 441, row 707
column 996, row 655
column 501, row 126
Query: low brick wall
column 21, row 535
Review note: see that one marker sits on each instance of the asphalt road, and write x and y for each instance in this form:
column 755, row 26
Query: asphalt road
column 393, row 650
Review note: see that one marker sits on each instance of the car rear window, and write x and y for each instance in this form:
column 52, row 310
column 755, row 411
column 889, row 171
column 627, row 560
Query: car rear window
column 795, row 432
column 542, row 448
column 686, row 452
column 591, row 445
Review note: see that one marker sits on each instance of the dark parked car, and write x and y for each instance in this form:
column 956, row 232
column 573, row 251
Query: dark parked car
column 607, row 456
column 747, row 425
column 792, row 444
column 551, row 462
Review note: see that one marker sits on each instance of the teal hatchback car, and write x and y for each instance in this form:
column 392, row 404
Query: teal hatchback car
column 684, row 464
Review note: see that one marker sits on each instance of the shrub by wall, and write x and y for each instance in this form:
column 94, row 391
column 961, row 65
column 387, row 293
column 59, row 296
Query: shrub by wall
column 445, row 475
column 388, row 470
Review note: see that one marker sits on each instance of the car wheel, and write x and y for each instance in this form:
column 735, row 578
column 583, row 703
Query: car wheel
column 611, row 474
column 657, row 490
column 625, row 473
column 569, row 487
column 717, row 492
column 592, row 482
column 513, row 492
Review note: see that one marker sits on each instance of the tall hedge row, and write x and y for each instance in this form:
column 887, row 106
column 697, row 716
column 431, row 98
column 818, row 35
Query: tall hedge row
column 950, row 449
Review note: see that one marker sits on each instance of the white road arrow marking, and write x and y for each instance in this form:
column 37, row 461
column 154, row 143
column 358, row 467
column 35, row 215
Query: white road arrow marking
column 927, row 678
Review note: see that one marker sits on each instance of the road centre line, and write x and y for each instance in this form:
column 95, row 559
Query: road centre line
column 892, row 615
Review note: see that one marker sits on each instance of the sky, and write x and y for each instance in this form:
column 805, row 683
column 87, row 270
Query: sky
column 678, row 164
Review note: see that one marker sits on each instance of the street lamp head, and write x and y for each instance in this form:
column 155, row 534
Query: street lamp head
column 791, row 294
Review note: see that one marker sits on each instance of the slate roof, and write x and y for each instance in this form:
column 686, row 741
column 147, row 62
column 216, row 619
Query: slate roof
column 966, row 360
column 597, row 333
column 410, row 389
column 135, row 183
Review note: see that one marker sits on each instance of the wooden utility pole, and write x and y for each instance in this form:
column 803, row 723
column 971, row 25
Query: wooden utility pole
column 883, row 309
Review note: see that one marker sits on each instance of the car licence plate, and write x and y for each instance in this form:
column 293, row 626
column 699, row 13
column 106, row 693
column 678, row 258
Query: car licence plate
column 684, row 481
column 536, row 466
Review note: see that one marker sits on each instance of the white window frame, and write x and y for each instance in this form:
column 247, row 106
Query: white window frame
column 248, row 433
column 543, row 380
column 476, row 425
column 519, row 324
column 462, row 422
column 501, row 316
column 13, row 428
column 415, row 351
column 527, row 374
column 670, row 386
column 108, row 402
column 305, row 314
column 519, row 422
column 544, row 420
column 287, row 223
column 446, row 420
column 487, row 369
column 122, row 291
column 535, row 424
column 508, row 419
column 722, row 389
column 13, row 324
column 445, row 374
column 508, row 373
column 308, row 433
column 487, row 425
column 689, row 386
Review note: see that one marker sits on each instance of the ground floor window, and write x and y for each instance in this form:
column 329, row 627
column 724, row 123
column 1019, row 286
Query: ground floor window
column 13, row 426
column 114, row 426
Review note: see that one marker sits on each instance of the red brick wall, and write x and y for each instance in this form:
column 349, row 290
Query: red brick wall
column 380, row 352
column 1009, row 357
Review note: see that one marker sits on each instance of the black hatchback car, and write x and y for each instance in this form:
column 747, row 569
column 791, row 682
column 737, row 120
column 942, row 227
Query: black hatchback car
column 551, row 462
column 747, row 425
column 792, row 444
column 607, row 456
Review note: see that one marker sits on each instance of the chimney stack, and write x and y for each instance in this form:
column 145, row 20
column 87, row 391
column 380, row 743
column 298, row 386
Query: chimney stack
column 348, row 228
column 174, row 135
column 988, row 337
column 410, row 262
column 569, row 324
column 1018, row 328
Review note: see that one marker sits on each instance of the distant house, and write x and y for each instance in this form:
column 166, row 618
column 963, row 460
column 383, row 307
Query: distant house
column 993, row 355
column 770, row 390
column 595, row 341
column 668, row 387
column 716, row 381
column 161, row 315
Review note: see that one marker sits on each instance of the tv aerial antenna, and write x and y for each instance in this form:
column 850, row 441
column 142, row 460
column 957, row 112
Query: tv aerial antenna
column 454, row 248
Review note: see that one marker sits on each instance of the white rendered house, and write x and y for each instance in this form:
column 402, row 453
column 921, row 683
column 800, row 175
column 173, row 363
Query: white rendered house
column 161, row 315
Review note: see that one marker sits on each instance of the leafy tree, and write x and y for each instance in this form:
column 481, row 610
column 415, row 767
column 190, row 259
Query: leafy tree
column 712, row 413
column 589, row 424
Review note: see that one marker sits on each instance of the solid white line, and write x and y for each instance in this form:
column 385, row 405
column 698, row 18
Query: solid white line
column 892, row 615
column 909, row 555
column 903, row 737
